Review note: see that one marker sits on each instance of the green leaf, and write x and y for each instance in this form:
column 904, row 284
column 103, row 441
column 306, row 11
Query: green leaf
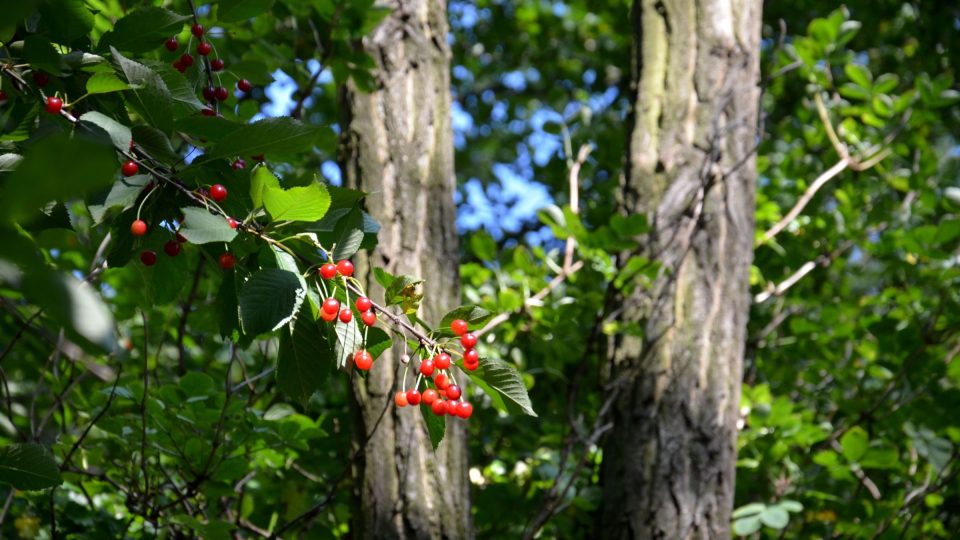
column 378, row 341
column 9, row 162
column 853, row 91
column 261, row 180
column 475, row 316
column 149, row 96
column 40, row 179
column 105, row 83
column 208, row 127
column 748, row 510
column 301, row 364
column 304, row 203
column 790, row 506
column 41, row 54
column 885, row 83
column 284, row 136
column 775, row 517
column 28, row 466
column 118, row 133
column 239, row 10
column 197, row 384
column 404, row 291
column 854, row 443
column 269, row 300
column 155, row 142
column 882, row 105
column 859, row 74
column 349, row 341
column 746, row 526
column 67, row 19
column 202, row 227
column 143, row 29
column 505, row 380
column 123, row 194
column 436, row 425
column 348, row 234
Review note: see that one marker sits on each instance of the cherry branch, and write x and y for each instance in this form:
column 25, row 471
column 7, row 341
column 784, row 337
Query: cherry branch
column 165, row 176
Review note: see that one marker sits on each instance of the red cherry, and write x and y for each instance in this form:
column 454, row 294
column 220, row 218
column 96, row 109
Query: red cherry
column 148, row 258
column 464, row 409
column 430, row 395
column 239, row 164
column 439, row 407
column 171, row 44
column 363, row 304
column 3, row 98
column 363, row 360
column 442, row 360
column 369, row 318
column 232, row 223
column 329, row 317
column 130, row 168
column 204, row 48
column 328, row 271
column 206, row 111
column 471, row 367
column 217, row 64
column 54, row 104
column 186, row 60
column 427, row 367
column 468, row 340
column 345, row 268
column 208, row 93
column 471, row 356
column 41, row 79
column 400, row 398
column 346, row 315
column 413, row 397
column 244, row 86
column 138, row 227
column 441, row 381
column 227, row 261
column 178, row 65
column 172, row 248
column 221, row 93
column 331, row 305
column 197, row 30
column 218, row 192
column 453, row 392
column 459, row 327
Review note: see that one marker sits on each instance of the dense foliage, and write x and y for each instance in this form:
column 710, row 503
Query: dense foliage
column 851, row 379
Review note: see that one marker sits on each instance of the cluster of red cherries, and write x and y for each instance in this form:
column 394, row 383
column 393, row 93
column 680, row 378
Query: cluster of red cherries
column 172, row 248
column 445, row 396
column 331, row 310
column 204, row 48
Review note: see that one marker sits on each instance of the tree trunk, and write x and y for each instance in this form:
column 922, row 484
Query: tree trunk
column 397, row 145
column 669, row 463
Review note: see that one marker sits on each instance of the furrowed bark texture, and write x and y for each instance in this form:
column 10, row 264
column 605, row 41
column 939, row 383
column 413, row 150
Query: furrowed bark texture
column 669, row 463
column 397, row 145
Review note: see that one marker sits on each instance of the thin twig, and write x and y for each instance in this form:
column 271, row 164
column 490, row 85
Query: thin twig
column 76, row 445
column 6, row 508
column 335, row 485
column 182, row 328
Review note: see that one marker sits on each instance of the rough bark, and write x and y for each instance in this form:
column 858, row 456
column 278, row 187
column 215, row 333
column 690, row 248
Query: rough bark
column 397, row 145
column 669, row 463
